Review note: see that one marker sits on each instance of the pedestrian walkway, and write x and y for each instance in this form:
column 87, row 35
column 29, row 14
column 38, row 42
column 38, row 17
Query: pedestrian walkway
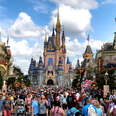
column 56, row 101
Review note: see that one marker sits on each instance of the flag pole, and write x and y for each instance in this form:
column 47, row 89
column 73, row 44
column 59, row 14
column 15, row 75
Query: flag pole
column 88, row 39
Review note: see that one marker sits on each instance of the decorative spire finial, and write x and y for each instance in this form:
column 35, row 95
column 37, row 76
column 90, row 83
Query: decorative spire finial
column 58, row 19
column 7, row 39
column 45, row 37
column 88, row 39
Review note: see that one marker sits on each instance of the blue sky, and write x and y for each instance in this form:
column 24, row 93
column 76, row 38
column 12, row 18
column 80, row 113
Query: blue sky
column 26, row 21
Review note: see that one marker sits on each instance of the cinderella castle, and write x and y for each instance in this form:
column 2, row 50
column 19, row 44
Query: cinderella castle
column 55, row 68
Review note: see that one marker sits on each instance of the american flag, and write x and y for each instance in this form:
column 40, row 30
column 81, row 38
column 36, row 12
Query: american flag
column 88, row 38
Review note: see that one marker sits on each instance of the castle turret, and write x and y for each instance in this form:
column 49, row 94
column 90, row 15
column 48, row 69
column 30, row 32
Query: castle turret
column 88, row 52
column 60, row 73
column 40, row 71
column 31, row 70
column 114, row 42
column 45, row 42
column 68, row 61
column 58, row 32
column 53, row 36
column 78, row 64
column 63, row 42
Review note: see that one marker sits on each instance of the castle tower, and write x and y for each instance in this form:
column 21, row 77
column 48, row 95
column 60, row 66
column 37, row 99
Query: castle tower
column 40, row 69
column 78, row 64
column 54, row 38
column 45, row 47
column 88, row 63
column 63, row 42
column 60, row 70
column 45, row 42
column 58, row 25
column 88, row 52
column 114, row 42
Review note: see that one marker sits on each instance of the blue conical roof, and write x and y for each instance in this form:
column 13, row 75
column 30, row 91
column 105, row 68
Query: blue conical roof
column 53, row 33
column 60, row 61
column 40, row 61
column 68, row 61
column 70, row 68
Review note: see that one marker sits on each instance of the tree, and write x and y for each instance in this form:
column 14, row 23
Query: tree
column 11, row 81
column 1, row 81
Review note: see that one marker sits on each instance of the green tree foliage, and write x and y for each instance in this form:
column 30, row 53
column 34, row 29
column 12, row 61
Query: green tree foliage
column 1, row 81
column 11, row 81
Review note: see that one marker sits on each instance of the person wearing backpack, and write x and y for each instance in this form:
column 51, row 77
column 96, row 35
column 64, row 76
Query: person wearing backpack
column 99, row 109
column 113, row 109
column 73, row 111
column 89, row 109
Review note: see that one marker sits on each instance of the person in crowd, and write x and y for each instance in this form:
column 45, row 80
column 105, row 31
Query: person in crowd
column 73, row 111
column 64, row 102
column 86, row 111
column 22, row 96
column 1, row 102
column 70, row 100
column 57, row 109
column 113, row 108
column 43, row 103
column 28, row 102
column 99, row 109
column 7, row 106
column 48, row 98
column 35, row 106
column 104, row 106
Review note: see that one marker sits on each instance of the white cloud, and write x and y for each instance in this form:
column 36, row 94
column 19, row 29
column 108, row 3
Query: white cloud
column 83, row 4
column 22, row 53
column 24, row 27
column 108, row 1
column 76, row 21
column 41, row 6
column 75, row 49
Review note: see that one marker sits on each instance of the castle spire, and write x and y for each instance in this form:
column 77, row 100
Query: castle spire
column 58, row 32
column 114, row 42
column 88, row 39
column 45, row 38
column 58, row 19
column 53, row 34
column 7, row 39
column 63, row 35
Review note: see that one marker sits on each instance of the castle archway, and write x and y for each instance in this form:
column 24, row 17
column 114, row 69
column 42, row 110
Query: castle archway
column 50, row 82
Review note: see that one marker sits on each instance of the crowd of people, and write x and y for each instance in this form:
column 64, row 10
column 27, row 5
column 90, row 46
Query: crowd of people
column 54, row 101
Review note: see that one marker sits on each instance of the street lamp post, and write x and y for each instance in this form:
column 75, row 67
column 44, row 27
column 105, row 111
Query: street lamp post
column 106, row 78
column 106, row 86
column 94, row 78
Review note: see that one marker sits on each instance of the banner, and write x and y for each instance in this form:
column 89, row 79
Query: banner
column 106, row 90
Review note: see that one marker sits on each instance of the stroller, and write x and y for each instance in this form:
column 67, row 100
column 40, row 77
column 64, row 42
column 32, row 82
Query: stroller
column 20, row 108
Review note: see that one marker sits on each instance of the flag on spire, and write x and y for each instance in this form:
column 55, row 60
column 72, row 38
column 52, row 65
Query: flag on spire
column 88, row 38
column 7, row 39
